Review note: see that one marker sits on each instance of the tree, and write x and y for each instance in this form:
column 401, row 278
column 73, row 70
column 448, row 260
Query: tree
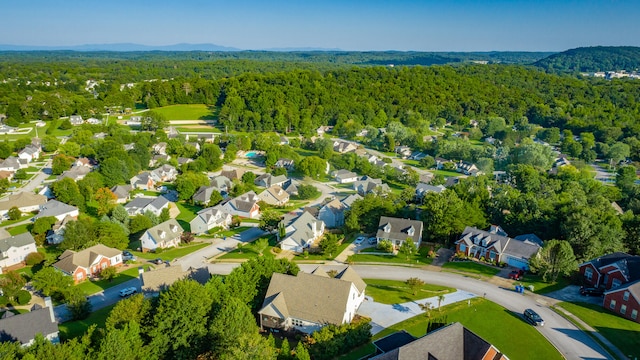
column 14, row 213
column 106, row 200
column 215, row 198
column 312, row 166
column 248, row 178
column 109, row 273
column 51, row 282
column 122, row 343
column 139, row 223
column 329, row 245
column 408, row 248
column 79, row 234
column 67, row 191
column 285, row 350
column 261, row 245
column 301, row 352
column 188, row 182
column 153, row 121
column 43, row 224
column 12, row 283
column 555, row 258
column 50, row 143
column 440, row 300
column 306, row 192
column 77, row 304
column 165, row 215
column 134, row 308
column 186, row 237
column 426, row 307
column 20, row 174
column 625, row 178
column 618, row 152
column 119, row 214
column 269, row 220
column 415, row 284
column 233, row 320
column 60, row 164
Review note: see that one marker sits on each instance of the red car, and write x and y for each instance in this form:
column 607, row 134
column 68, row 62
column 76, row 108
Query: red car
column 516, row 274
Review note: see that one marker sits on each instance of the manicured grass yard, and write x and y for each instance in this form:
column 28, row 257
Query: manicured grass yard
column 541, row 287
column 471, row 267
column 396, row 292
column 250, row 251
column 171, row 253
column 72, row 329
column 316, row 257
column 18, row 229
column 420, row 258
column 92, row 287
column 623, row 333
column 505, row 330
column 187, row 112
column 187, row 213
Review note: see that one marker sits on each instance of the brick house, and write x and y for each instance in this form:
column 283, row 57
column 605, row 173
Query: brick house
column 88, row 262
column 624, row 300
column 610, row 271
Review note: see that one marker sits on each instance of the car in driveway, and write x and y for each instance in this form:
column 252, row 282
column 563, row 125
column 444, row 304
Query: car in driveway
column 372, row 241
column 533, row 317
column 126, row 256
column 516, row 274
column 359, row 240
column 590, row 291
column 128, row 291
column 157, row 261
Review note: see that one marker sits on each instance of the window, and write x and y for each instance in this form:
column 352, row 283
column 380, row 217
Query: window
column 625, row 297
column 492, row 255
column 612, row 304
column 615, row 283
column 79, row 276
column 623, row 309
column 634, row 314
column 588, row 273
column 463, row 247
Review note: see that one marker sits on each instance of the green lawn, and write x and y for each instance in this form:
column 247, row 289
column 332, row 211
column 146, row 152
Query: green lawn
column 420, row 258
column 229, row 233
column 541, row 287
column 198, row 129
column 504, row 329
column 471, row 267
column 187, row 213
column 171, row 253
column 72, row 329
column 187, row 112
column 249, row 251
column 396, row 292
column 446, row 173
column 19, row 229
column 623, row 333
column 24, row 216
column 92, row 287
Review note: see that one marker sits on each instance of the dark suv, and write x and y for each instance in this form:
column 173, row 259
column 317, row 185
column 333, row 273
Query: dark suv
column 533, row 317
column 591, row 291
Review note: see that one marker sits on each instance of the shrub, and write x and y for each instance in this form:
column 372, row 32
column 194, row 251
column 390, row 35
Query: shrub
column 277, row 250
column 23, row 297
column 385, row 245
column 109, row 273
column 34, row 258
column 4, row 301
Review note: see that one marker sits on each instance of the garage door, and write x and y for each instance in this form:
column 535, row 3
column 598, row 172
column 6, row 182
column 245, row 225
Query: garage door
column 519, row 263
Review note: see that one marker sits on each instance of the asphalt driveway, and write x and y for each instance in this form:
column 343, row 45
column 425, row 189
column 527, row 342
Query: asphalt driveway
column 571, row 293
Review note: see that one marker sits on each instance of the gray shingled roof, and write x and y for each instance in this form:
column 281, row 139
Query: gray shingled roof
column 24, row 327
column 16, row 241
column 399, row 229
column 503, row 244
column 303, row 226
column 55, row 208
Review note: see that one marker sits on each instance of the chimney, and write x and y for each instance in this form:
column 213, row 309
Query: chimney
column 140, row 272
column 49, row 305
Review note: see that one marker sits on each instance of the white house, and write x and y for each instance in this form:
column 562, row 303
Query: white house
column 24, row 201
column 29, row 153
column 210, row 218
column 309, row 301
column 25, row 326
column 57, row 209
column 164, row 235
column 14, row 249
column 345, row 176
column 302, row 233
column 245, row 205
column 140, row 205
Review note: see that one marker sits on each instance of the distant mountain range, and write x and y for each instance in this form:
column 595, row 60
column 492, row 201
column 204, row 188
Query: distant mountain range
column 120, row 47
column 593, row 59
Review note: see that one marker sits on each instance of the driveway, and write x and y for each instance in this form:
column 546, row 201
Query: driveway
column 571, row 293
column 384, row 315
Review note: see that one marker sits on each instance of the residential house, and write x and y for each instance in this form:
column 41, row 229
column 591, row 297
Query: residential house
column 129, row 146
column 303, row 232
column 76, row 120
column 134, row 121
column 422, row 189
column 93, row 121
column 12, row 164
column 274, row 195
column 343, row 146
column 4, row 174
column 143, row 181
column 426, row 177
column 57, row 209
column 14, row 249
column 610, row 271
column 195, row 145
column 285, row 163
column 122, row 193
column 153, row 282
column 398, row 230
column 291, row 187
column 29, row 153
column 624, row 300
column 55, row 235
column 25, row 326
column 245, row 205
column 159, row 159
column 209, row 218
column 76, row 173
column 284, row 140
column 222, row 184
column 345, row 176
column 160, row 148
column 441, row 161
column 25, row 202
column 307, row 302
column 140, row 205
column 84, row 161
column 467, row 168
column 323, row 130
column 403, row 151
column 495, row 245
column 332, row 213
column 165, row 173
column 184, row 160
column 267, row 180
column 89, row 262
column 164, row 235
column 100, row 136
column 450, row 342
column 233, row 174
column 202, row 196
column 367, row 185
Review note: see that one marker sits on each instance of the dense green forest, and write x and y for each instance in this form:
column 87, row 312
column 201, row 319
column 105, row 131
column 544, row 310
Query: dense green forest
column 593, row 59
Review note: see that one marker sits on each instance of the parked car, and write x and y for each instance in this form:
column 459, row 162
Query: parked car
column 157, row 261
column 516, row 274
column 128, row 291
column 590, row 291
column 359, row 240
column 373, row 241
column 126, row 256
column 533, row 317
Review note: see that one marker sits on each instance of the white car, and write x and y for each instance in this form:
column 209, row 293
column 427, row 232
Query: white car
column 359, row 240
column 128, row 291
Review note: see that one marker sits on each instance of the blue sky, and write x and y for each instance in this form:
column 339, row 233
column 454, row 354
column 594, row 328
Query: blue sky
column 426, row 25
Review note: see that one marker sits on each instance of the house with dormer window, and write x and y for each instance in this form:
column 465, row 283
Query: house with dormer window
column 398, row 230
column 164, row 235
column 610, row 271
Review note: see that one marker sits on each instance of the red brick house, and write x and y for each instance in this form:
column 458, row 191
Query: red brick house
column 88, row 262
column 610, row 271
column 624, row 300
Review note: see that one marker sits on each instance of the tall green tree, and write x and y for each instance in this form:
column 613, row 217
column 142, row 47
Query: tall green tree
column 554, row 259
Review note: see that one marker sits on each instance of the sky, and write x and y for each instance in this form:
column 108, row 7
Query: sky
column 359, row 25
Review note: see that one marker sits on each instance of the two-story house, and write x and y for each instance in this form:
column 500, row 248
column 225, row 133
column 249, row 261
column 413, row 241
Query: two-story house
column 14, row 249
column 245, row 205
column 274, row 195
column 164, row 235
column 399, row 230
column 332, row 213
column 610, row 271
column 302, row 232
column 210, row 218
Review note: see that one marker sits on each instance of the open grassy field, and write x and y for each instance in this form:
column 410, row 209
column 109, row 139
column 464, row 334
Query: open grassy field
column 187, row 112
column 396, row 292
column 471, row 267
column 623, row 333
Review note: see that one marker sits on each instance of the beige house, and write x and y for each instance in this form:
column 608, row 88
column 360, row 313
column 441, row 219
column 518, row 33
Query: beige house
column 24, row 201
column 274, row 195
column 307, row 302
column 164, row 235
